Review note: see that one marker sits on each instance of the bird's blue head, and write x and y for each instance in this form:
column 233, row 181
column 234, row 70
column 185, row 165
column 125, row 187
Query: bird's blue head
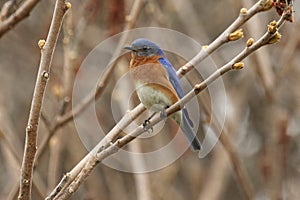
column 143, row 47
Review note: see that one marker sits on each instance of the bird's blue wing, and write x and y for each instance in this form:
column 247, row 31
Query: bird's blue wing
column 173, row 78
column 187, row 123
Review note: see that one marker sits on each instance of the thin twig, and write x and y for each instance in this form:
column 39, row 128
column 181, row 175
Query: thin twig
column 288, row 52
column 72, row 48
column 264, row 66
column 69, row 64
column 21, row 13
column 55, row 155
column 6, row 9
column 244, row 16
column 56, row 143
column 47, row 49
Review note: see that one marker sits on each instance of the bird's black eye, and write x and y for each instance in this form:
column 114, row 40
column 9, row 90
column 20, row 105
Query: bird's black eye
column 145, row 48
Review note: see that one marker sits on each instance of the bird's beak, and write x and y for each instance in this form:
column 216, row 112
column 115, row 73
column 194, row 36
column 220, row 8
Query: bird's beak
column 129, row 48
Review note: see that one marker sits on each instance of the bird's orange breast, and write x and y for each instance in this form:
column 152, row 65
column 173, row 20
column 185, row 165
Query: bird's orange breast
column 148, row 71
column 142, row 60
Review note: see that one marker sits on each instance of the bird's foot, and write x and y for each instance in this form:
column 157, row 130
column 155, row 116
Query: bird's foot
column 146, row 126
column 163, row 113
column 147, row 122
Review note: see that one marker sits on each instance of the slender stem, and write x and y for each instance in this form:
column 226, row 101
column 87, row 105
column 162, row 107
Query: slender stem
column 260, row 6
column 37, row 100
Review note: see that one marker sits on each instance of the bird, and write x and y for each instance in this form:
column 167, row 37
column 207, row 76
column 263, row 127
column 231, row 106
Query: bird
column 157, row 85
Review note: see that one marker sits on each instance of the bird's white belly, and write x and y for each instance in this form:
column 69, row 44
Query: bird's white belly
column 152, row 98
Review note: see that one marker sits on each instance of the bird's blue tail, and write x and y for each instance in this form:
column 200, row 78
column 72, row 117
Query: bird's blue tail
column 186, row 127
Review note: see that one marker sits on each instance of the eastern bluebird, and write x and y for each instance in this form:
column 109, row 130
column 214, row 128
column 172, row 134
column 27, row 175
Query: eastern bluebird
column 157, row 84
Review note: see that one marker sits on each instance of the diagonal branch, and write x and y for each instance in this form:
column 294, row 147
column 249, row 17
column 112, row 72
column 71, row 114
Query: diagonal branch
column 22, row 12
column 244, row 16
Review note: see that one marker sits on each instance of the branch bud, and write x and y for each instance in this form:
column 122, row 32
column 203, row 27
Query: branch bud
column 272, row 27
column 29, row 128
column 243, row 11
column 238, row 65
column 45, row 75
column 266, row 4
column 183, row 68
column 197, row 87
column 276, row 38
column 204, row 47
column 68, row 5
column 249, row 42
column 238, row 34
column 41, row 43
column 26, row 181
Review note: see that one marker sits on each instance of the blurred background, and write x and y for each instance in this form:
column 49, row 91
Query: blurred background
column 263, row 104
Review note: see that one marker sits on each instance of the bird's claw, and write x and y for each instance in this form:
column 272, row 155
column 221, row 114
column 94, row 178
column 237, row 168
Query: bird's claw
column 146, row 126
column 163, row 113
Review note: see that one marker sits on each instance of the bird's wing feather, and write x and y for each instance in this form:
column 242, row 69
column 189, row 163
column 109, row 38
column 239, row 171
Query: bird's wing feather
column 173, row 78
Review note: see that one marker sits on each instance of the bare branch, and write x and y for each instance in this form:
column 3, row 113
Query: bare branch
column 7, row 9
column 47, row 49
column 16, row 17
column 244, row 16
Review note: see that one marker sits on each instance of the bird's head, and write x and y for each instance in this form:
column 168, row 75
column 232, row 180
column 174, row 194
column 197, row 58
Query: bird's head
column 144, row 48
